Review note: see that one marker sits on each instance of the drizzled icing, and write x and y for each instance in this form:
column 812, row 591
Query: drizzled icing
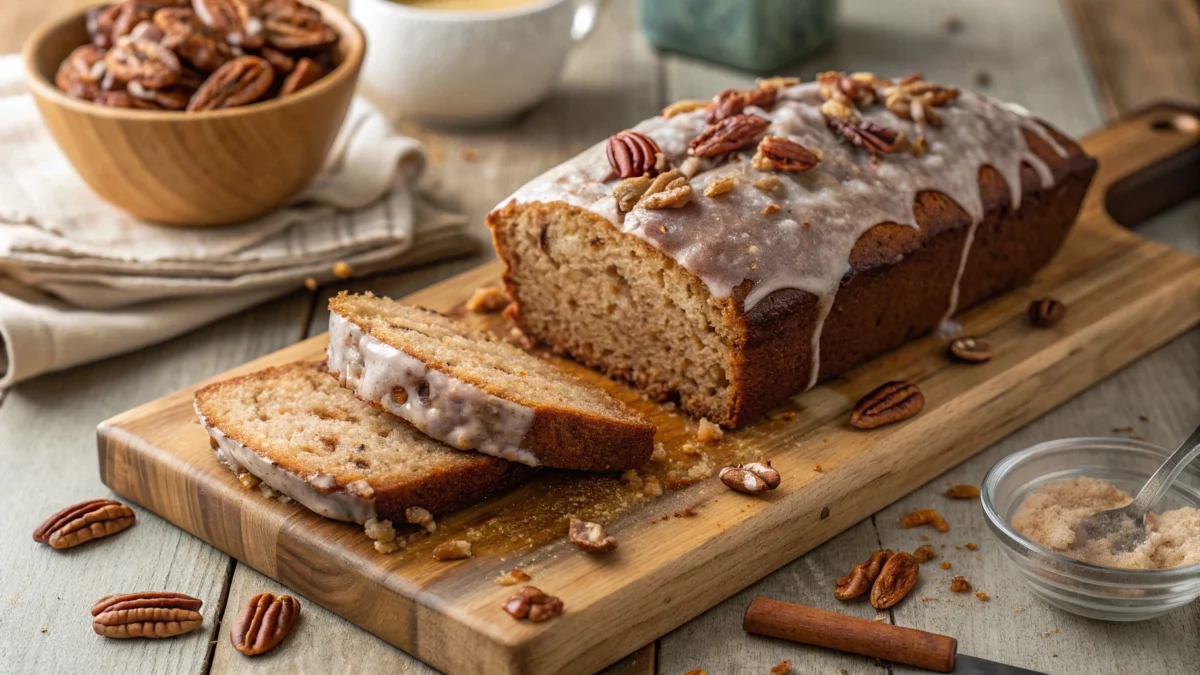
column 806, row 245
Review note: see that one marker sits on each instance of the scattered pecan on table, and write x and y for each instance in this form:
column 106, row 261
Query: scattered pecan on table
column 152, row 614
column 263, row 623
column 83, row 522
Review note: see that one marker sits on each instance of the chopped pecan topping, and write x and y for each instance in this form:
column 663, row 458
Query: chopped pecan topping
column 590, row 537
column 512, row 578
column 890, row 402
column 263, row 623
column 728, row 135
column 767, row 184
column 858, row 89
column 971, row 349
column 719, row 186
column 629, row 191
column 1046, row 312
column 632, row 153
column 149, row 615
column 532, row 604
column 835, row 109
column 681, row 107
column 732, row 102
column 770, row 209
column 861, row 578
column 963, row 492
column 83, row 522
column 925, row 517
column 916, row 99
column 668, row 190
column 776, row 153
column 896, row 579
column 419, row 516
column 924, row 552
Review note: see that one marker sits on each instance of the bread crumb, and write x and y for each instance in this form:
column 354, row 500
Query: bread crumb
column 486, row 300
column 686, row 512
column 249, row 480
column 379, row 530
column 817, row 468
column 708, row 432
column 1144, row 418
column 311, row 284
column 959, row 584
column 659, row 455
column 953, row 23
column 456, row 549
column 45, row 628
column 770, row 209
column 782, row 668
column 767, row 183
column 945, row 564
column 924, row 538
column 341, row 270
column 419, row 516
column 925, row 517
column 632, row 478
column 983, row 597
column 512, row 578
column 652, row 488
column 696, row 671
column 470, row 154
column 971, row 546
column 720, row 186
column 389, row 547
column 786, row 416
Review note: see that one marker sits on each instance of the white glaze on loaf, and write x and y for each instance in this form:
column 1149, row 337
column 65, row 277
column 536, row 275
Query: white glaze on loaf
column 807, row 245
column 445, row 408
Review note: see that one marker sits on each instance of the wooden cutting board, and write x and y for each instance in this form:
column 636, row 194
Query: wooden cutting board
column 1126, row 297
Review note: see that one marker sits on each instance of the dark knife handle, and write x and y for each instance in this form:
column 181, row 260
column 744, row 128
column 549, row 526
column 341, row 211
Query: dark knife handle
column 850, row 634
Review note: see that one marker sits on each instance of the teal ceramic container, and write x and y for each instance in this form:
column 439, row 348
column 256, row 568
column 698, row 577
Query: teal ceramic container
column 757, row 35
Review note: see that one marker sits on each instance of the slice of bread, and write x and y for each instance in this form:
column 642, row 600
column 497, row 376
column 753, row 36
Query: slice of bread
column 475, row 391
column 295, row 429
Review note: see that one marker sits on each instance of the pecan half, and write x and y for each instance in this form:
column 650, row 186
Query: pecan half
column 915, row 99
column 963, row 492
column 733, row 101
column 147, row 63
column 233, row 20
column 80, row 73
column 861, row 577
column 890, row 402
column 149, row 614
column 263, row 623
column 865, row 134
column 242, row 81
column 752, row 479
column 193, row 41
column 282, row 63
column 533, row 604
column 632, row 153
column 925, row 517
column 305, row 73
column 291, row 25
column 857, row 89
column 970, row 349
column 123, row 99
column 896, row 579
column 728, row 135
column 1046, row 312
column 776, row 153
column 83, row 522
column 590, row 537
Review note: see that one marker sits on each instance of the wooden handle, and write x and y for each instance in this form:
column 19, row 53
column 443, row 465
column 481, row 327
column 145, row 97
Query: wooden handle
column 850, row 634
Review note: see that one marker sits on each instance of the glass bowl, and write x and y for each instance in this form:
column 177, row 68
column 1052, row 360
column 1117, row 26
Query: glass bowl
column 1080, row 588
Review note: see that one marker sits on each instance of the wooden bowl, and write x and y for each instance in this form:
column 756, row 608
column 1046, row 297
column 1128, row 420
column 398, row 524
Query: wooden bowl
column 195, row 168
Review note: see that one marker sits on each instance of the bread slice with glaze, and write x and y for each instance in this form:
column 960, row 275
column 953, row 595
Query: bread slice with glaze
column 474, row 391
column 304, row 436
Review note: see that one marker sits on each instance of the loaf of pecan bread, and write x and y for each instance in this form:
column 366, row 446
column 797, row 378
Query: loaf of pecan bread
column 732, row 253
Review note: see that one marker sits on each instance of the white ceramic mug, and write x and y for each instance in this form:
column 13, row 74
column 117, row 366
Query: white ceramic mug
column 467, row 67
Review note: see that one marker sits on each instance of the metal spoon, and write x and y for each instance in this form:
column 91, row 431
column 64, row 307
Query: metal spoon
column 1126, row 526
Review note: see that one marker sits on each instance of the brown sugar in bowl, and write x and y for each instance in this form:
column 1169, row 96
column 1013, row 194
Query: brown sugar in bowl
column 195, row 168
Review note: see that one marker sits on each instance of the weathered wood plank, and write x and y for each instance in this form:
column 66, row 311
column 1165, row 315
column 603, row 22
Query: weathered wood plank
column 1140, row 51
column 47, row 461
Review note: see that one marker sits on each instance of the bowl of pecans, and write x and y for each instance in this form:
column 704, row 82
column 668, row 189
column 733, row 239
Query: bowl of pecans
column 196, row 112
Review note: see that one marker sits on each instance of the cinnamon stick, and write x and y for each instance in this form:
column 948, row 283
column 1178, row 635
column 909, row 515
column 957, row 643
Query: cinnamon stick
column 818, row 627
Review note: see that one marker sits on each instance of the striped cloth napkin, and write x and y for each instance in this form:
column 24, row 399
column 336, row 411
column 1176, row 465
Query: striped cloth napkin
column 81, row 280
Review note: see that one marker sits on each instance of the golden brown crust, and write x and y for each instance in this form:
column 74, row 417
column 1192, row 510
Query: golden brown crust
column 882, row 302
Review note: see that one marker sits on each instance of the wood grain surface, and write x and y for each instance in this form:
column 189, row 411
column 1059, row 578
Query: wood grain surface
column 1029, row 51
column 1126, row 296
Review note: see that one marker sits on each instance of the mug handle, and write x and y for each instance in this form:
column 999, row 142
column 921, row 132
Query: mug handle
column 586, row 14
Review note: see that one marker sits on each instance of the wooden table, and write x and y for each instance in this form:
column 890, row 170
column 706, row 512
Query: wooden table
column 1027, row 52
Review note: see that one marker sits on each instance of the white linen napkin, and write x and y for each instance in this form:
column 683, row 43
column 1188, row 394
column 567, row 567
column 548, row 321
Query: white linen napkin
column 81, row 280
